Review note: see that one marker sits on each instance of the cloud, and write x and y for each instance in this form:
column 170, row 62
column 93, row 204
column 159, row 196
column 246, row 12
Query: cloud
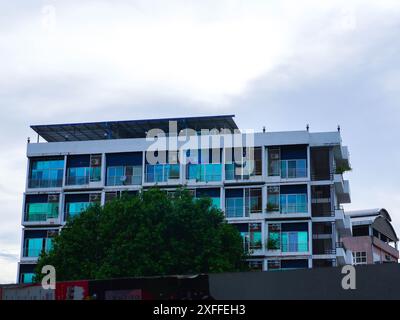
column 281, row 64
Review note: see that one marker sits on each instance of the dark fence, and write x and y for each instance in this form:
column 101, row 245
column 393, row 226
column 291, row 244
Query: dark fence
column 372, row 282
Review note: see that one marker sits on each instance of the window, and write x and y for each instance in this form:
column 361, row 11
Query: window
column 75, row 208
column 124, row 175
column 293, row 168
column 274, row 157
column 161, row 172
column 204, row 172
column 296, row 241
column 243, row 163
column 42, row 211
column 46, row 173
column 293, row 203
column 251, row 234
column 253, row 200
column 273, row 199
column 256, row 265
column 27, row 277
column 33, row 247
column 288, row 237
column 234, row 207
column 255, row 236
column 359, row 257
column 287, row 264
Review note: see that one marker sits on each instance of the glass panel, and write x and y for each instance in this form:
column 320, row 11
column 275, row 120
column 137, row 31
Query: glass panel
column 46, row 174
column 27, row 277
column 74, row 208
column 302, row 241
column 284, row 169
column 118, row 176
column 293, row 203
column 78, row 176
column 234, row 207
column 95, row 174
column 216, row 202
column 42, row 211
column 33, row 247
column 295, row 241
column 255, row 236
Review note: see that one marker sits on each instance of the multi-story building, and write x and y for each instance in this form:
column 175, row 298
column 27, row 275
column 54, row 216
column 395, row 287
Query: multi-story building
column 374, row 239
column 286, row 202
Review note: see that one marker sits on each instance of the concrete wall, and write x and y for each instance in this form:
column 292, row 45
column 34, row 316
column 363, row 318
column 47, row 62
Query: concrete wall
column 372, row 282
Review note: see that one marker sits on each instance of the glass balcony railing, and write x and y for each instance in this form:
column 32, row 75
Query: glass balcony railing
column 83, row 176
column 236, row 172
column 291, row 169
column 293, row 203
column 234, row 208
column 204, row 172
column 122, row 176
column 294, row 247
column 45, row 183
column 76, row 208
column 37, row 212
column 162, row 172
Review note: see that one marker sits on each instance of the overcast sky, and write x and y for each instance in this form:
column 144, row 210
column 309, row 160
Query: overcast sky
column 281, row 64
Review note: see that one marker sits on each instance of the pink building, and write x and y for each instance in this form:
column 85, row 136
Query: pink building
column 374, row 239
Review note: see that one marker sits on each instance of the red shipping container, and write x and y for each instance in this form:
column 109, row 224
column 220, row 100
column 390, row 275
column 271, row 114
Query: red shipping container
column 72, row 290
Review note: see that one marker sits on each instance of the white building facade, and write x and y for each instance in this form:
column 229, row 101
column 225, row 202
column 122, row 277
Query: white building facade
column 286, row 200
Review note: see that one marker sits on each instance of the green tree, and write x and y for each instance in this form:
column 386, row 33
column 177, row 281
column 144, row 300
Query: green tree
column 153, row 233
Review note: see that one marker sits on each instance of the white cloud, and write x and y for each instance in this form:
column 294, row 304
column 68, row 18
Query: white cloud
column 280, row 63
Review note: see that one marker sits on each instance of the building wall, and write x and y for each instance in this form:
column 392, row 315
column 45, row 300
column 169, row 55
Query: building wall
column 65, row 150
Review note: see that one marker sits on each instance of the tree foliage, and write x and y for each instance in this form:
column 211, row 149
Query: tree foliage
column 150, row 234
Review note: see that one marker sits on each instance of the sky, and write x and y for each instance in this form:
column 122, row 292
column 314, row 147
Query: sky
column 279, row 64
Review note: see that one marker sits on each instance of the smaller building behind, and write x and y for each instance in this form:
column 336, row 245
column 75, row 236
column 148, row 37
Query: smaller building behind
column 374, row 239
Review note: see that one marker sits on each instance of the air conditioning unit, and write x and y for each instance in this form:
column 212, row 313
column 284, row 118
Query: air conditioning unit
column 274, row 189
column 53, row 198
column 52, row 233
column 275, row 156
column 95, row 198
column 95, row 162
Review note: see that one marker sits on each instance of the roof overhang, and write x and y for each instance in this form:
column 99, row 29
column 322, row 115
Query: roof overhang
column 129, row 129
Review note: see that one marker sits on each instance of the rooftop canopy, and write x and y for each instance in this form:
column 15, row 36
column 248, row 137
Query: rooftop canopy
column 128, row 129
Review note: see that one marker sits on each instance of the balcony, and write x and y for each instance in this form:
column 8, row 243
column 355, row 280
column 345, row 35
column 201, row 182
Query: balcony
column 83, row 176
column 344, row 256
column 250, row 170
column 289, row 204
column 45, row 183
column 204, row 172
column 342, row 188
column 234, row 208
column 33, row 247
column 46, row 173
column 42, row 212
column 288, row 169
column 163, row 173
column 124, row 176
column 343, row 222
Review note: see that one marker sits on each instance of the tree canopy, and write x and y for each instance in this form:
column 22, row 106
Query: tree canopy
column 150, row 234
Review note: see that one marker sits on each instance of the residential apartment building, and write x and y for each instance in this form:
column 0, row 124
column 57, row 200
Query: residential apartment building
column 374, row 239
column 285, row 201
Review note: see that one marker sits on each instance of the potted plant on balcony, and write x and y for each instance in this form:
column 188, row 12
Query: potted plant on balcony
column 271, row 207
column 272, row 244
column 342, row 169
